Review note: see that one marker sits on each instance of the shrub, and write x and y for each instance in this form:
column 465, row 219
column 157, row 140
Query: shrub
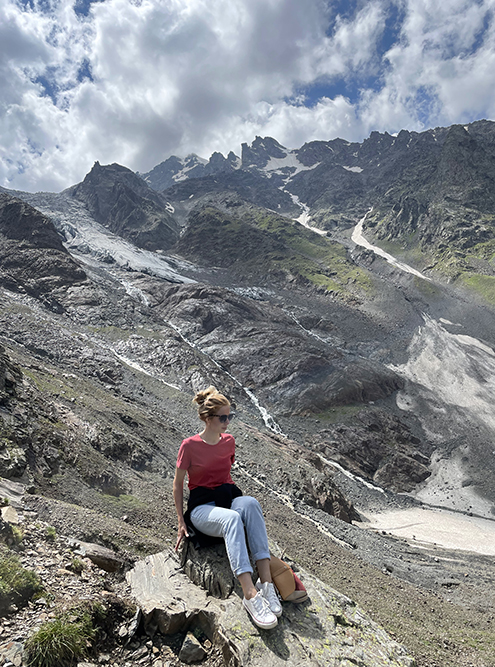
column 51, row 533
column 77, row 565
column 18, row 534
column 16, row 583
column 60, row 641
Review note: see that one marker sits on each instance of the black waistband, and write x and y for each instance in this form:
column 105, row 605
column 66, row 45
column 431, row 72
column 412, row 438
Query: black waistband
column 222, row 496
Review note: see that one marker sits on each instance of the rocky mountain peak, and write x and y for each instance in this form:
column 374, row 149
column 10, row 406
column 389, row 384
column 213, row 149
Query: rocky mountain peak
column 175, row 169
column 123, row 202
column 102, row 179
column 260, row 152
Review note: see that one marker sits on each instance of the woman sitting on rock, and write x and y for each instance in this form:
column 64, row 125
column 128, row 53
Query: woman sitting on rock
column 216, row 507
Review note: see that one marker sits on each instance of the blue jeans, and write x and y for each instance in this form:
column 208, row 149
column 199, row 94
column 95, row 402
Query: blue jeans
column 244, row 514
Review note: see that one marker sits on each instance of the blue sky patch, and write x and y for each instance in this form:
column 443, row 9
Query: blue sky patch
column 48, row 85
column 351, row 89
column 84, row 71
column 82, row 7
column 393, row 28
column 480, row 37
column 425, row 104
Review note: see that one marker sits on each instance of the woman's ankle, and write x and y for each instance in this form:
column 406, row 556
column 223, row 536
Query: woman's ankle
column 248, row 588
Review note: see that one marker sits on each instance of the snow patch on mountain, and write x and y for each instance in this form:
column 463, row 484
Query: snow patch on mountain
column 83, row 235
column 358, row 238
column 188, row 164
column 290, row 161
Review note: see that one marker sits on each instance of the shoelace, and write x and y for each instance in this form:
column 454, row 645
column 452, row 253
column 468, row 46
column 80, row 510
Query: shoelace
column 271, row 595
column 259, row 603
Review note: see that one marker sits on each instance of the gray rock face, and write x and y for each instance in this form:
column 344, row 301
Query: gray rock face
column 121, row 201
column 328, row 630
column 32, row 257
column 376, row 446
column 266, row 350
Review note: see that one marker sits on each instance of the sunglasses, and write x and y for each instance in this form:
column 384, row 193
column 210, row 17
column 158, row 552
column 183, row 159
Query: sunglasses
column 225, row 418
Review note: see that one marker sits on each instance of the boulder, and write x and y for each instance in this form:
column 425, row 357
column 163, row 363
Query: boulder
column 191, row 650
column 10, row 515
column 209, row 568
column 104, row 558
column 327, row 630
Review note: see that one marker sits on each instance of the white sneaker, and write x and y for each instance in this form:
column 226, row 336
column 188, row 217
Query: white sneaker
column 270, row 594
column 259, row 611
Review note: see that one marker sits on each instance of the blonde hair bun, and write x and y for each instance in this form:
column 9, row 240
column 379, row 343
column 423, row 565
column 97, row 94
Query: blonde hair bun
column 202, row 396
column 209, row 400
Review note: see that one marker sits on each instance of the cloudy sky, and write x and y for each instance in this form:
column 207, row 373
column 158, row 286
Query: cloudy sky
column 135, row 81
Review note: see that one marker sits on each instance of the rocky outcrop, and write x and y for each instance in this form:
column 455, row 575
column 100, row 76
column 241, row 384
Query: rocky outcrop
column 328, row 630
column 260, row 152
column 208, row 568
column 377, row 446
column 250, row 186
column 122, row 202
column 32, row 257
column 266, row 350
column 442, row 198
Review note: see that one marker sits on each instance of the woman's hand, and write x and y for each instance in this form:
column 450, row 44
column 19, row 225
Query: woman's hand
column 181, row 533
column 178, row 493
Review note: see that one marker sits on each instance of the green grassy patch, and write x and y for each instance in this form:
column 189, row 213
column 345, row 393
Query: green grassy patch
column 65, row 639
column 484, row 250
column 17, row 584
column 122, row 504
column 45, row 382
column 316, row 258
column 427, row 288
column 484, row 286
column 339, row 414
column 271, row 245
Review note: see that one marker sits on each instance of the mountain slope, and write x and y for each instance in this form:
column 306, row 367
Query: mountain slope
column 259, row 246
column 342, row 367
column 32, row 258
column 431, row 192
column 122, row 202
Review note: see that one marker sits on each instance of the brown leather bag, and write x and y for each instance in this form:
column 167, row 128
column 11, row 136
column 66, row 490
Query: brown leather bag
column 288, row 585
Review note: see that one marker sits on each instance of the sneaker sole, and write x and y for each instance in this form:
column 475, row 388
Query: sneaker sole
column 263, row 626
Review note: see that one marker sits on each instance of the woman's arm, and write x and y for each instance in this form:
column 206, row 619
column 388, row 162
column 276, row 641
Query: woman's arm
column 179, row 505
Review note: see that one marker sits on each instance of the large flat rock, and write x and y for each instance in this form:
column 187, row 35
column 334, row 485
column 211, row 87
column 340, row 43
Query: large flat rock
column 328, row 631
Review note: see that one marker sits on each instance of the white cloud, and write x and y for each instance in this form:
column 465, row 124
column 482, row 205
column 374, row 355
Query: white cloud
column 177, row 76
column 441, row 69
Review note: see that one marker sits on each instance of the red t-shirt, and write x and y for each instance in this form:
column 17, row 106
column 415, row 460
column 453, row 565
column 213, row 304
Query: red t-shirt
column 207, row 465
